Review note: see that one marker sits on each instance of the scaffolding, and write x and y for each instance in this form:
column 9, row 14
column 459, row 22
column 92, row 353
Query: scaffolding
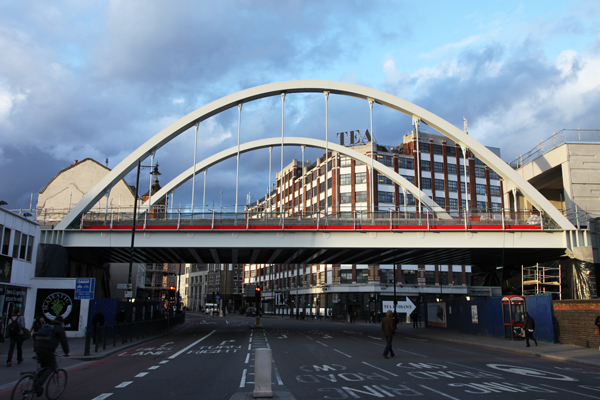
column 540, row 279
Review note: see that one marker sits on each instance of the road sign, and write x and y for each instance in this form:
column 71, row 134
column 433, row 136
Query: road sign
column 123, row 285
column 218, row 297
column 84, row 288
column 129, row 293
column 404, row 306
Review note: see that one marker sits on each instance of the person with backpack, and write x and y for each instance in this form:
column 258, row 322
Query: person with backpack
column 46, row 340
column 14, row 327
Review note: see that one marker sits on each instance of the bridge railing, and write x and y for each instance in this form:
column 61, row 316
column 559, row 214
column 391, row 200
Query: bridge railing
column 292, row 218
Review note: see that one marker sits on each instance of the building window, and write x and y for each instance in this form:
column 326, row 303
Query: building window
column 496, row 207
column 479, row 172
column 411, row 179
column 345, row 161
column 480, row 189
column 5, row 241
column 384, row 179
column 29, row 248
column 23, row 252
column 494, row 175
column 425, row 165
column 452, row 186
column 425, row 183
column 360, row 197
column 453, row 203
column 457, row 278
column 451, row 169
column 385, row 197
column 346, row 276
column 440, row 201
column 429, row 277
column 409, row 277
column 424, row 147
column 439, row 184
column 345, row 179
column 481, row 205
column 386, row 276
column 438, row 167
column 322, row 187
column 495, row 190
column 16, row 244
column 385, row 160
column 362, row 276
column 406, row 163
column 345, row 198
column 437, row 149
column 450, row 151
column 314, row 191
column 361, row 177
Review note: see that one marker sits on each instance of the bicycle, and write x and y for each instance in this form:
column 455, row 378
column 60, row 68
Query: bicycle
column 55, row 385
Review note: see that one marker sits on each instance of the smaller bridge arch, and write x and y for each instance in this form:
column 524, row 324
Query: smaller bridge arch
column 298, row 141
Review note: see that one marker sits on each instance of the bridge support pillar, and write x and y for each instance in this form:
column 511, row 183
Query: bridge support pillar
column 262, row 373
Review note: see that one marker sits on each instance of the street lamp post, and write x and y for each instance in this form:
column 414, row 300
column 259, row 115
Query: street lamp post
column 137, row 183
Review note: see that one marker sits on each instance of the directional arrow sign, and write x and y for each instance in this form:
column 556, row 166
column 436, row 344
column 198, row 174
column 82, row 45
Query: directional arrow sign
column 405, row 306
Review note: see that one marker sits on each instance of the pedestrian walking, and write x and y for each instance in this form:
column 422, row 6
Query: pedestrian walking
column 389, row 329
column 415, row 317
column 15, row 326
column 529, row 326
column 120, row 319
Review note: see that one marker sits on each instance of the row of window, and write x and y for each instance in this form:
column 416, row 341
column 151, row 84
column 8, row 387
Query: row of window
column 22, row 244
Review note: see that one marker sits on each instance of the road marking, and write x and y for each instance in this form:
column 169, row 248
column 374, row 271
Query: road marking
column 342, row 353
column 373, row 337
column 249, row 346
column 190, row 346
column 141, row 375
column 410, row 352
column 243, row 381
column 322, row 344
column 154, row 367
column 164, row 362
column 411, row 338
column 247, row 358
column 279, row 381
column 435, row 391
column 460, row 351
column 102, row 396
column 123, row 384
column 565, row 390
column 383, row 370
column 532, row 373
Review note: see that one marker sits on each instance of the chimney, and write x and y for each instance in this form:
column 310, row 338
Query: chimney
column 75, row 161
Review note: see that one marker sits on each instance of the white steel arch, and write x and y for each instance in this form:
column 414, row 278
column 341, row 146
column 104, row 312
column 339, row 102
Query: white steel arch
column 308, row 86
column 297, row 141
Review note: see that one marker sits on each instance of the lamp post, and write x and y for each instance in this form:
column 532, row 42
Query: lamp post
column 137, row 182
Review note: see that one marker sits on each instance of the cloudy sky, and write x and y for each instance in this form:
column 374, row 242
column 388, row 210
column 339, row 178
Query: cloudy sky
column 97, row 79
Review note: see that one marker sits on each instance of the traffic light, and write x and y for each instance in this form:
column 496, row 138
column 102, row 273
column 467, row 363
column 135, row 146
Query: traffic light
column 257, row 291
column 172, row 290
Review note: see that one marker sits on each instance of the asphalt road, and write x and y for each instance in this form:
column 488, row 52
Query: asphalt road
column 213, row 358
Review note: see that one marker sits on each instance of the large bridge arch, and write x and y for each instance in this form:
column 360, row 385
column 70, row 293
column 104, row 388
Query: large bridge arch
column 297, row 141
column 308, row 86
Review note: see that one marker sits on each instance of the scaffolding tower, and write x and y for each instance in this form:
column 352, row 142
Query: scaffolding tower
column 541, row 279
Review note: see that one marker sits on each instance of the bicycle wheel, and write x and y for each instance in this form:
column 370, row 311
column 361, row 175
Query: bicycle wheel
column 23, row 389
column 56, row 384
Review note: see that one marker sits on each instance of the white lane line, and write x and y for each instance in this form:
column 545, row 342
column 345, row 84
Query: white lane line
column 249, row 346
column 410, row 352
column 435, row 391
column 476, row 369
column 102, row 396
column 141, row 374
column 342, row 353
column 190, row 346
column 279, row 381
column 382, row 370
column 250, row 339
column 373, row 337
column 154, row 367
column 460, row 351
column 569, row 391
column 415, row 339
column 322, row 343
column 243, row 381
column 164, row 362
column 247, row 358
column 123, row 384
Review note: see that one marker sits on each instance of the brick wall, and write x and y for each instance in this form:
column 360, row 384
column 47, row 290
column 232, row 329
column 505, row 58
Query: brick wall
column 574, row 322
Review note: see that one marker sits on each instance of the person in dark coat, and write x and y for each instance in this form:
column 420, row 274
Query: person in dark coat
column 389, row 329
column 97, row 323
column 15, row 339
column 120, row 319
column 529, row 326
column 45, row 348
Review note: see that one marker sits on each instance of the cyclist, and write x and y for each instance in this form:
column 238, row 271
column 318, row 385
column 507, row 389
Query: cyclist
column 45, row 346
